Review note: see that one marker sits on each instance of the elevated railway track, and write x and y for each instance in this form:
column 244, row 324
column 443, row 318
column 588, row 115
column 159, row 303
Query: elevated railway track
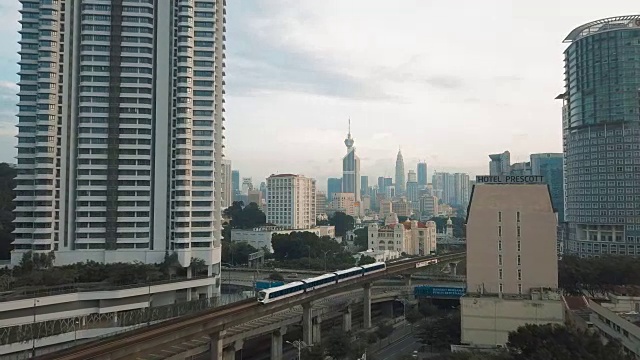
column 214, row 322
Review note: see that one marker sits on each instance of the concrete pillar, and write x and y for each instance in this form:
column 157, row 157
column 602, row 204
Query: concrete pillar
column 215, row 345
column 317, row 322
column 366, row 315
column 189, row 275
column 407, row 280
column 229, row 353
column 209, row 287
column 453, row 267
column 346, row 319
column 307, row 323
column 276, row 343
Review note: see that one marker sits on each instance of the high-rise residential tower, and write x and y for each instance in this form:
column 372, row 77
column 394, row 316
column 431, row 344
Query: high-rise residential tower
column 291, row 201
column 422, row 175
column 400, row 181
column 601, row 137
column 351, row 168
column 120, row 130
column 500, row 164
column 227, row 184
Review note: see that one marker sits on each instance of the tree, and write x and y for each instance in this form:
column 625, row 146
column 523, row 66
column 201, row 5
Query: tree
column 361, row 240
column 365, row 259
column 236, row 252
column 558, row 342
column 342, row 222
column 413, row 315
column 245, row 217
column 337, row 343
column 276, row 276
column 384, row 330
column 442, row 332
column 315, row 352
column 7, row 184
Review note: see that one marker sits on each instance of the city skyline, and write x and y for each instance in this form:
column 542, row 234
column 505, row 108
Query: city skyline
column 265, row 70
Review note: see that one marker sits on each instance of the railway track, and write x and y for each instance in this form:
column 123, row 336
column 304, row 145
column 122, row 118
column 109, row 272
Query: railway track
column 217, row 319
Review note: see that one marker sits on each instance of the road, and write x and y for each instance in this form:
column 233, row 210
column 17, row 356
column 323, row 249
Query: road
column 406, row 346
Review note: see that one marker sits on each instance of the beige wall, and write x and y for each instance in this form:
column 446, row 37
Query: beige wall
column 488, row 320
column 538, row 257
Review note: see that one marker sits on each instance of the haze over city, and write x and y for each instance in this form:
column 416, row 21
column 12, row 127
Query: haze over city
column 434, row 78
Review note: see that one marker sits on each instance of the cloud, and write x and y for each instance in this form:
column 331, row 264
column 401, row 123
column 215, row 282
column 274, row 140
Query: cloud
column 444, row 82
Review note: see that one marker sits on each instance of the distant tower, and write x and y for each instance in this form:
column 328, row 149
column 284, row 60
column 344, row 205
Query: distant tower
column 351, row 168
column 449, row 232
column 400, row 182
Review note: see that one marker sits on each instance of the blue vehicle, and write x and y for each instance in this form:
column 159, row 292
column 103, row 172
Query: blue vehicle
column 299, row 287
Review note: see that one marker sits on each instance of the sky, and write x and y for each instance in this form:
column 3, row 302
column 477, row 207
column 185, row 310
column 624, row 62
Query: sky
column 448, row 82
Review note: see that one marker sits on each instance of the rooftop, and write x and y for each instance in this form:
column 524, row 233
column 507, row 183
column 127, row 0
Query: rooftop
column 607, row 24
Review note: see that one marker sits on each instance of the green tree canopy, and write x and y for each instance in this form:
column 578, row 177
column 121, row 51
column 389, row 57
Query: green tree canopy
column 305, row 249
column 7, row 184
column 342, row 222
column 236, row 253
column 441, row 332
column 362, row 238
column 597, row 274
column 245, row 217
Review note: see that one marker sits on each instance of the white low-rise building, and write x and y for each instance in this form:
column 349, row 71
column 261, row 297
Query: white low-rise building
column 66, row 316
column 379, row 255
column 410, row 237
column 260, row 237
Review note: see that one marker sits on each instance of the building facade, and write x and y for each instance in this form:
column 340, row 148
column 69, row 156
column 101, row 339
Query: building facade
column 410, row 237
column 500, row 164
column 364, row 185
column 334, row 185
column 400, row 180
column 511, row 231
column 291, row 201
column 351, row 168
column 235, row 180
column 549, row 165
column 321, row 203
column 344, row 202
column 601, row 137
column 227, row 184
column 120, row 132
column 422, row 175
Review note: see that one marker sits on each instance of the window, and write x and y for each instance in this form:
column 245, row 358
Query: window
column 499, row 230
column 500, row 259
column 499, row 245
column 519, row 274
column 518, row 230
column 519, row 288
column 500, row 274
column 518, row 216
column 499, row 216
column 519, row 244
column 518, row 260
column 500, row 287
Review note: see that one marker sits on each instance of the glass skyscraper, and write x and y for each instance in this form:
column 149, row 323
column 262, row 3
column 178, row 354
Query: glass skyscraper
column 351, row 168
column 601, row 137
column 334, row 185
column 549, row 165
column 422, row 175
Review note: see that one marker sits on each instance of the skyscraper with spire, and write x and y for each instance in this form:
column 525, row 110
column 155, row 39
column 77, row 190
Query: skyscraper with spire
column 351, row 168
column 400, row 182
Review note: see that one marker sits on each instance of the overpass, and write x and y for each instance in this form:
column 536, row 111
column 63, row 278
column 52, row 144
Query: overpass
column 216, row 321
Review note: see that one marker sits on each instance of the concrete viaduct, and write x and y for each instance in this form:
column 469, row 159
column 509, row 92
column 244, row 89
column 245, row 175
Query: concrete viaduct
column 215, row 322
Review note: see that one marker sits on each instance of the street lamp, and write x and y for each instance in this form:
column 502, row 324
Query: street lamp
column 33, row 329
column 298, row 344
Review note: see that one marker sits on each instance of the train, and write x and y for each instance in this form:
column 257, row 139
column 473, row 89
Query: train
column 300, row 287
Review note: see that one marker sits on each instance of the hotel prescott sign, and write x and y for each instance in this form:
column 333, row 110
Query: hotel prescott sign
column 509, row 179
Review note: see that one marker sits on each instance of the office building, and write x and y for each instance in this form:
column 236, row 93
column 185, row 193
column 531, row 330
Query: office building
column 247, row 185
column 351, row 168
column 520, row 169
column 344, row 202
column 410, row 237
column 321, row 203
column 120, row 131
column 601, row 137
column 500, row 164
column 444, row 187
column 411, row 176
column 334, row 185
column 422, row 175
column 549, row 165
column 512, row 271
column 291, row 201
column 428, row 206
column 235, row 180
column 227, row 184
column 257, row 197
column 364, row 185
column 381, row 184
column 401, row 207
column 400, row 181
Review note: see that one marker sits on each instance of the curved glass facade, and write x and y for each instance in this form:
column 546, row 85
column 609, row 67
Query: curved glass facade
column 601, row 134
